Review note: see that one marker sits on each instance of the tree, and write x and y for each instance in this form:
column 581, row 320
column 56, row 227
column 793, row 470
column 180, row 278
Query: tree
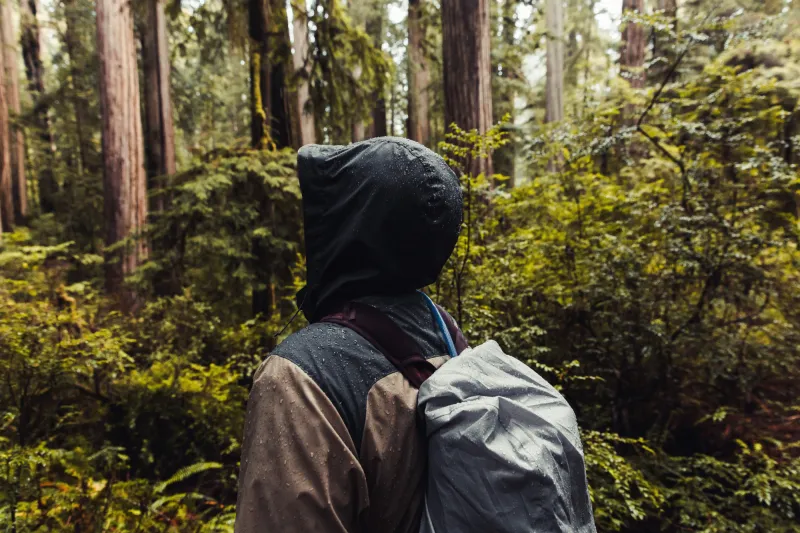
column 159, row 130
column 19, row 184
column 31, row 53
column 419, row 76
column 359, row 12
column 124, row 179
column 467, row 69
column 271, row 127
column 269, row 46
column 6, row 203
column 258, row 24
column 280, row 57
column 554, row 94
column 633, row 45
column 377, row 125
column 302, row 70
column 81, row 87
column 509, row 83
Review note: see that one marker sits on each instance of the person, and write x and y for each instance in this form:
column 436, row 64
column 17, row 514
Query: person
column 331, row 439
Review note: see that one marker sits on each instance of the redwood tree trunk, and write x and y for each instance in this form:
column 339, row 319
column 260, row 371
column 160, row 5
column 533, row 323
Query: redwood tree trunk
column 281, row 104
column 263, row 296
column 555, row 61
column 31, row 52
column 504, row 102
column 305, row 120
column 160, row 133
column 258, row 24
column 6, row 202
column 467, row 69
column 124, row 182
column 633, row 46
column 80, row 89
column 377, row 126
column 419, row 76
column 19, row 183
column 271, row 128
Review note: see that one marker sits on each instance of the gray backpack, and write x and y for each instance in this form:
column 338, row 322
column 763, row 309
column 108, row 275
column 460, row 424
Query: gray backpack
column 504, row 450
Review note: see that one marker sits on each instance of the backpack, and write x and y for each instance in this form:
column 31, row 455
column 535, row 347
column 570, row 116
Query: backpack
column 504, row 450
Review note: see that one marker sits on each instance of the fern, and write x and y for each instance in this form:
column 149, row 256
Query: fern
column 185, row 473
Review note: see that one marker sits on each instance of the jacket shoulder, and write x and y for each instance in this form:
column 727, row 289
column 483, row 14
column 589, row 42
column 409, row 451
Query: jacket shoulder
column 343, row 364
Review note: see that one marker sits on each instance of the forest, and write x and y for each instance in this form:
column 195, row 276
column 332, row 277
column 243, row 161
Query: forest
column 631, row 176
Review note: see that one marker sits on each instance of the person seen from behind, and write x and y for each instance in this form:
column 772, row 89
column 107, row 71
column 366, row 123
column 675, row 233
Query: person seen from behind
column 332, row 442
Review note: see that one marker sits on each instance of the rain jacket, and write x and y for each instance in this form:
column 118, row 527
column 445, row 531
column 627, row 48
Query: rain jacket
column 331, row 441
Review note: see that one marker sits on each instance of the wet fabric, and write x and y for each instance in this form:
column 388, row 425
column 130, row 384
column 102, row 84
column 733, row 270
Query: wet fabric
column 504, row 451
column 381, row 217
column 331, row 441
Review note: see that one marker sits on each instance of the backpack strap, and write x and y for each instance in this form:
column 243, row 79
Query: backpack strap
column 455, row 333
column 387, row 337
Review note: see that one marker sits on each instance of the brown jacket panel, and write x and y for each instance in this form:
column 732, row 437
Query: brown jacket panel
column 393, row 455
column 300, row 471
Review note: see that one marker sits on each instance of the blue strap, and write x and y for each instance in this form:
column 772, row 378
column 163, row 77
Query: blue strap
column 442, row 326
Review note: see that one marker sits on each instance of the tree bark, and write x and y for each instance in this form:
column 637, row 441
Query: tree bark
column 305, row 121
column 281, row 104
column 160, row 132
column 554, row 96
column 6, row 197
column 272, row 113
column 80, row 89
column 419, row 76
column 377, row 125
column 504, row 157
column 467, row 69
column 124, row 179
column 19, row 182
column 258, row 26
column 31, row 52
column 263, row 296
column 633, row 46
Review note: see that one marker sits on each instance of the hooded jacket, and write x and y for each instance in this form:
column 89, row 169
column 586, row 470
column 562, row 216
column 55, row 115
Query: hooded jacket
column 331, row 440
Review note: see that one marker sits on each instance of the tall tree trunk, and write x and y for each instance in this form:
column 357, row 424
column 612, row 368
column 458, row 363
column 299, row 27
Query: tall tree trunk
column 124, row 179
column 467, row 69
column 554, row 96
column 19, row 182
column 80, row 90
column 159, row 132
column 504, row 157
column 633, row 45
column 419, row 76
column 31, row 52
column 271, row 128
column 6, row 195
column 377, row 125
column 281, row 104
column 305, row 121
column 258, row 26
column 263, row 297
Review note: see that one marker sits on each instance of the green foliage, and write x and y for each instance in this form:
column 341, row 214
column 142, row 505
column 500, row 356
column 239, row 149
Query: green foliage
column 647, row 267
column 97, row 408
column 228, row 215
column 346, row 68
column 662, row 262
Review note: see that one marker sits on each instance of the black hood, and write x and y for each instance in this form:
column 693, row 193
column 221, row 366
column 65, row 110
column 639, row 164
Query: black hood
column 381, row 217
